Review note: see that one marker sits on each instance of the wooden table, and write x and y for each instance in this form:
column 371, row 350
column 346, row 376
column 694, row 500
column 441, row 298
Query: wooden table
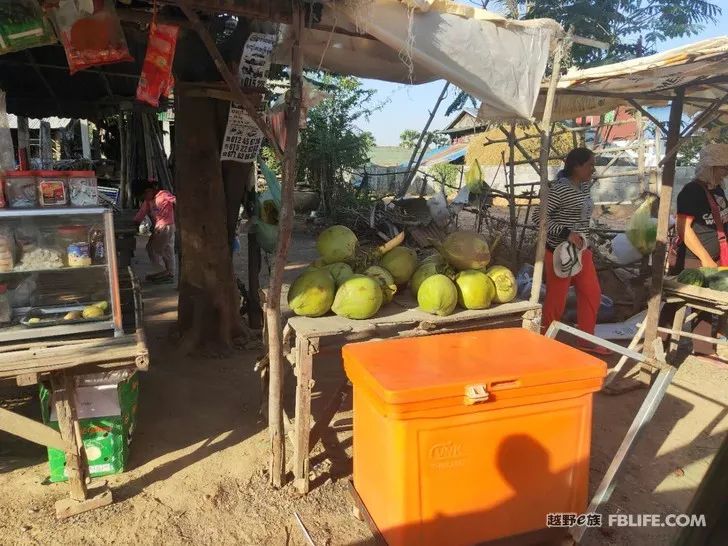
column 303, row 337
column 59, row 360
column 696, row 298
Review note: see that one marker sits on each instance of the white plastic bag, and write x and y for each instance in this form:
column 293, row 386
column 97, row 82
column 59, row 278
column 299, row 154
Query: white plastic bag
column 438, row 209
column 623, row 251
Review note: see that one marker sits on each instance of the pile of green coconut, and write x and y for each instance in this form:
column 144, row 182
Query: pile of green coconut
column 356, row 282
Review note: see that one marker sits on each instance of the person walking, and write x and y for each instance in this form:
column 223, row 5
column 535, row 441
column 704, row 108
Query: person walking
column 568, row 259
column 158, row 205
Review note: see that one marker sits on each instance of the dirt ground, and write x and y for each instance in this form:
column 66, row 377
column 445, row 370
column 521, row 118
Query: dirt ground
column 199, row 456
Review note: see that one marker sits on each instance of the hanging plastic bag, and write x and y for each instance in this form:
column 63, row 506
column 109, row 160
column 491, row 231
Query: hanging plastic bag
column 90, row 40
column 642, row 228
column 154, row 81
column 474, row 178
column 23, row 25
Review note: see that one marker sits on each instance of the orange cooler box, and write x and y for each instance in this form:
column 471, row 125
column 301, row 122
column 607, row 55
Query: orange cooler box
column 469, row 437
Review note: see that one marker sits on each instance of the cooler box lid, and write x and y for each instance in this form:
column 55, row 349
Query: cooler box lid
column 403, row 371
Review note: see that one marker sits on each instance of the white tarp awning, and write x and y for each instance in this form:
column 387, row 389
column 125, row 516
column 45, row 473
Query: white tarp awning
column 650, row 80
column 497, row 60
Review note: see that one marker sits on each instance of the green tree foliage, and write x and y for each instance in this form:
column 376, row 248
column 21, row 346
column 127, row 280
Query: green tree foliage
column 690, row 151
column 409, row 137
column 632, row 28
column 445, row 174
column 332, row 143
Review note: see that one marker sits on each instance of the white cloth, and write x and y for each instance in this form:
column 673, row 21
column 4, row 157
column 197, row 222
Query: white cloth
column 567, row 259
column 498, row 61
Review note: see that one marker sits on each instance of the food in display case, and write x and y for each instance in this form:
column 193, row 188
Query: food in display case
column 79, row 254
column 57, row 276
column 20, row 189
column 51, row 189
column 40, row 259
column 83, row 189
column 7, row 259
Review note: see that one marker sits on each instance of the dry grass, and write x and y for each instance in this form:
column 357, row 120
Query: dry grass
column 488, row 153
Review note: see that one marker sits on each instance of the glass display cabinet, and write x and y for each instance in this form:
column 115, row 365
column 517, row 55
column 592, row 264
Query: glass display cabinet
column 58, row 273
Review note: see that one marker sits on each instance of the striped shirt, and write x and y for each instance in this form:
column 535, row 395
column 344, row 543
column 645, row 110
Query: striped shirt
column 569, row 209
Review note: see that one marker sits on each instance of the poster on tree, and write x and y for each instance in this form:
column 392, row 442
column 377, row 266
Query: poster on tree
column 255, row 61
column 242, row 139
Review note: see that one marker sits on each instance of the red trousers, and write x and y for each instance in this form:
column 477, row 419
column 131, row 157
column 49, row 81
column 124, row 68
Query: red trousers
column 588, row 293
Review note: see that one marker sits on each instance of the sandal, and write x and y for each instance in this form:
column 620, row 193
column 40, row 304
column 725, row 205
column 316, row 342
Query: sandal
column 160, row 279
column 157, row 275
column 595, row 349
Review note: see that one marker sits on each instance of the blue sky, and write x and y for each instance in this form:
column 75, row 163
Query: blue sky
column 407, row 106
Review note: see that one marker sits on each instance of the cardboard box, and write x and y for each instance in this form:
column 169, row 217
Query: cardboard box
column 107, row 417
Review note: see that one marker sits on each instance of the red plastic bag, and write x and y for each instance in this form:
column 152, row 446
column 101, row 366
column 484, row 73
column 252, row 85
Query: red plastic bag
column 90, row 39
column 156, row 79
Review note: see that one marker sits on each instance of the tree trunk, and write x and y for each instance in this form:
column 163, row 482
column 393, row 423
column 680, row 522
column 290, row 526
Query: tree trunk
column 208, row 316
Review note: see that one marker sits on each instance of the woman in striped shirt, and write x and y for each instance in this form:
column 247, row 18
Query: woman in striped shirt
column 568, row 215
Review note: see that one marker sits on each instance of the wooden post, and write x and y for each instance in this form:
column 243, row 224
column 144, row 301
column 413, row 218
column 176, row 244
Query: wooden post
column 641, row 179
column 544, row 171
column 85, row 143
column 512, row 190
column 82, row 498
column 76, row 465
column 23, row 143
column 46, row 146
column 663, row 218
column 302, row 439
column 410, row 173
column 124, row 182
column 285, row 226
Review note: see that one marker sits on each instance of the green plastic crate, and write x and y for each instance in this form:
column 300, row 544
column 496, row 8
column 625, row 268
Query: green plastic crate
column 106, row 439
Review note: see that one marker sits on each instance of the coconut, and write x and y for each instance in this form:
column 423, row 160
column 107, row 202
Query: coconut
column 401, row 262
column 475, row 289
column 465, row 250
column 385, row 279
column 427, row 269
column 360, row 297
column 435, row 258
column 312, row 293
column 337, row 244
column 505, row 283
column 438, row 295
column 340, row 272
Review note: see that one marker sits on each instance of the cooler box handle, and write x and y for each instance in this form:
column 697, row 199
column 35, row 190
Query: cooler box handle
column 475, row 394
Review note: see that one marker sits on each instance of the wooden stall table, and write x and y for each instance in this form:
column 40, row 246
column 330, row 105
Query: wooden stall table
column 696, row 298
column 303, row 337
column 58, row 360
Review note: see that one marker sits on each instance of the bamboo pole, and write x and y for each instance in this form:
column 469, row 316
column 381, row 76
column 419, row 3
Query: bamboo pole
column 285, row 227
column 410, row 171
column 512, row 190
column 663, row 217
column 640, row 150
column 544, row 171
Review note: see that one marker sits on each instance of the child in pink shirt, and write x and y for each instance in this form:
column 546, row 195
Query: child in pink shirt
column 158, row 205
